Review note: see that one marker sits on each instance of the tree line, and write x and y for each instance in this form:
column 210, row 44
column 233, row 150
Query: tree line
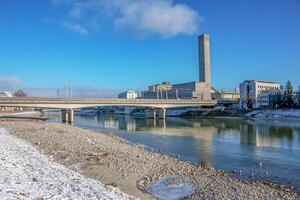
column 287, row 99
column 19, row 93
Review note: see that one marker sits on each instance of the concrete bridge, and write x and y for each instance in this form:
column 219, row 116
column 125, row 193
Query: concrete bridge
column 154, row 106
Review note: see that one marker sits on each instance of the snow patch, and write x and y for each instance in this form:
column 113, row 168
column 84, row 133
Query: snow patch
column 27, row 174
column 270, row 113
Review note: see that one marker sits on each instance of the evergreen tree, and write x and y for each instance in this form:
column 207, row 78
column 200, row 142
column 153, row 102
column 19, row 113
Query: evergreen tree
column 288, row 95
column 278, row 100
column 299, row 97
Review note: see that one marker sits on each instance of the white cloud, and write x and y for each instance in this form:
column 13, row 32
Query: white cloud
column 76, row 28
column 159, row 17
column 145, row 17
column 76, row 13
column 9, row 83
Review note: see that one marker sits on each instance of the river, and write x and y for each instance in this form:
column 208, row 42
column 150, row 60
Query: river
column 247, row 149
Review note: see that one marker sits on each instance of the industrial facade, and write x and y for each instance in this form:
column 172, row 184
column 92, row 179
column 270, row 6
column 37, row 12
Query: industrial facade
column 192, row 90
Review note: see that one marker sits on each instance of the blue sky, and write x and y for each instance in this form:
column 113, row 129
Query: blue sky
column 127, row 44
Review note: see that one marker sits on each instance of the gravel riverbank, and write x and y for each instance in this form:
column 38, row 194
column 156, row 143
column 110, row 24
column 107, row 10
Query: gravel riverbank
column 113, row 161
column 27, row 174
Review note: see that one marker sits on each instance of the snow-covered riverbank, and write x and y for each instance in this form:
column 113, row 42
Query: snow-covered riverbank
column 274, row 113
column 27, row 174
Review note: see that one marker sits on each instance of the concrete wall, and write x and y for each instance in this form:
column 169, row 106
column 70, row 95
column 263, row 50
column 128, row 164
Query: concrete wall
column 195, row 90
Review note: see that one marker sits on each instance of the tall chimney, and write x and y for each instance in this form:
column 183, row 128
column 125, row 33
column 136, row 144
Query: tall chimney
column 204, row 58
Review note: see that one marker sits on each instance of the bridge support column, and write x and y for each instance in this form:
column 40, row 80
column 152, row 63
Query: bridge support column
column 151, row 113
column 162, row 113
column 67, row 116
column 42, row 113
column 64, row 116
column 71, row 116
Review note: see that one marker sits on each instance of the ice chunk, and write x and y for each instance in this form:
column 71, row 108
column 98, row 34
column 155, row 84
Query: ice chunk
column 164, row 190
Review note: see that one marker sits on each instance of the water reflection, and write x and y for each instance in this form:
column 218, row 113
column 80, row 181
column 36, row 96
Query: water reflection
column 250, row 133
column 269, row 149
column 270, row 135
column 283, row 134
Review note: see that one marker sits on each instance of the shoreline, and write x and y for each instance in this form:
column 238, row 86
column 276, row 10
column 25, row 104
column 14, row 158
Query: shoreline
column 290, row 114
column 114, row 161
column 34, row 115
column 244, row 118
column 25, row 173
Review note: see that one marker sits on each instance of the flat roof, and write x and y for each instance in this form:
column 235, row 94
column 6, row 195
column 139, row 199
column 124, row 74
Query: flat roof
column 261, row 81
column 266, row 81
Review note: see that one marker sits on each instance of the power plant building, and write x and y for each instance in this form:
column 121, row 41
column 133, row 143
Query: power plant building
column 192, row 90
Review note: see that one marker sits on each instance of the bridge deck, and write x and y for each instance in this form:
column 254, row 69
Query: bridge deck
column 81, row 103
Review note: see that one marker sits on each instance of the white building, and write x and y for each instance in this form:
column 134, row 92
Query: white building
column 256, row 93
column 128, row 95
column 5, row 94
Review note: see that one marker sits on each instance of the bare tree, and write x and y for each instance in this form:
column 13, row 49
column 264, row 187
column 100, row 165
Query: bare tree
column 20, row 93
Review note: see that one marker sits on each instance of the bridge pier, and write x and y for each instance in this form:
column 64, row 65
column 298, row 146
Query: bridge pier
column 161, row 113
column 64, row 116
column 151, row 113
column 42, row 113
column 71, row 116
column 67, row 116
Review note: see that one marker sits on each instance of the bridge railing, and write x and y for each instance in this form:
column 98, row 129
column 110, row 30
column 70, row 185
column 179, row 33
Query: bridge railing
column 97, row 101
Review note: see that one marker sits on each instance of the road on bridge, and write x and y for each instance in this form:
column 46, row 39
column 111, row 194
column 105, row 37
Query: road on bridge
column 56, row 103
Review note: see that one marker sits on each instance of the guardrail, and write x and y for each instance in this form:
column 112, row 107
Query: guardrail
column 49, row 103
column 101, row 101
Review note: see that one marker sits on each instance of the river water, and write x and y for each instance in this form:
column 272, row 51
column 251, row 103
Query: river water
column 247, row 149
